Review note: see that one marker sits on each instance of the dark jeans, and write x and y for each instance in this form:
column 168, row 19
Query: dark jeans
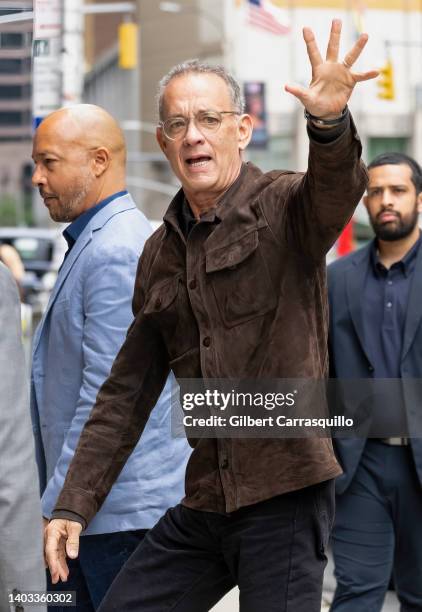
column 100, row 560
column 274, row 551
column 378, row 531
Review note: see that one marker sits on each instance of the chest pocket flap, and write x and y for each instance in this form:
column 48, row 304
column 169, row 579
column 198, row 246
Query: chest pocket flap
column 160, row 297
column 240, row 280
column 233, row 254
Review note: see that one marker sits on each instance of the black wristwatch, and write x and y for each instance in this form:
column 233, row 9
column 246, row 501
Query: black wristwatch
column 327, row 122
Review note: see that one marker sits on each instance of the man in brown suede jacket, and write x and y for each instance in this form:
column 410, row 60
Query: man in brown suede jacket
column 231, row 286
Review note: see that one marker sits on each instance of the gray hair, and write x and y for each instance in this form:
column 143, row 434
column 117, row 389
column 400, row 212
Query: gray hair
column 198, row 67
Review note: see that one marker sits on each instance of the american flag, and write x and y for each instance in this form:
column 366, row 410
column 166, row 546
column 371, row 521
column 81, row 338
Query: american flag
column 264, row 15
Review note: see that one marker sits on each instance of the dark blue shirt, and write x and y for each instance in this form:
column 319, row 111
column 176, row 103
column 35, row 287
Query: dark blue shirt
column 75, row 229
column 384, row 310
column 384, row 313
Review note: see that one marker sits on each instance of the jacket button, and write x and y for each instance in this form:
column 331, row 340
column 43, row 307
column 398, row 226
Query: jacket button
column 206, row 341
column 158, row 303
column 225, row 464
column 192, row 284
column 371, row 368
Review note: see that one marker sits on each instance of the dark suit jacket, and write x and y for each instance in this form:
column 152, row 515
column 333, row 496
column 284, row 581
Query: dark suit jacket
column 350, row 358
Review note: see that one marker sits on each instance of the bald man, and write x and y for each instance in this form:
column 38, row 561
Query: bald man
column 79, row 154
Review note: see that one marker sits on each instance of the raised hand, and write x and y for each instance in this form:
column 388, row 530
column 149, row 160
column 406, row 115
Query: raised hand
column 332, row 81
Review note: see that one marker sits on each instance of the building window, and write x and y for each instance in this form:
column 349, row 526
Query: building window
column 10, row 66
column 11, row 119
column 378, row 145
column 11, row 92
column 11, row 40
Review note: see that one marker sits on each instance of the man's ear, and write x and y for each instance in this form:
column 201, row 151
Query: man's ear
column 245, row 128
column 101, row 160
column 162, row 142
column 419, row 202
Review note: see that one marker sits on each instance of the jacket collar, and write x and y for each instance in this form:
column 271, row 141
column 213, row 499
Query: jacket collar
column 234, row 208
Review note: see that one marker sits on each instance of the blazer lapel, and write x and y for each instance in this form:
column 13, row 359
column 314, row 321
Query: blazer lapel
column 355, row 284
column 115, row 207
column 67, row 265
column 414, row 310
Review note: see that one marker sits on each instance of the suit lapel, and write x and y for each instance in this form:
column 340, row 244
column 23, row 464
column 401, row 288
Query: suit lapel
column 414, row 310
column 355, row 284
column 67, row 265
column 96, row 223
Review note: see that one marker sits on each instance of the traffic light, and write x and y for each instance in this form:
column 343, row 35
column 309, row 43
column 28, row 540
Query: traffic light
column 128, row 45
column 385, row 82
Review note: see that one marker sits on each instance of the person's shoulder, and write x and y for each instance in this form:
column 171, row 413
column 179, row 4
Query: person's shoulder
column 156, row 238
column 129, row 219
column 340, row 265
column 275, row 183
column 126, row 230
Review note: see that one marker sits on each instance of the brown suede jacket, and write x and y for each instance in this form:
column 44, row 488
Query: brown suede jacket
column 244, row 296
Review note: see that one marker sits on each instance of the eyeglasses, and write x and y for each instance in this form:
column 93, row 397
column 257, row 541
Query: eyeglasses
column 206, row 121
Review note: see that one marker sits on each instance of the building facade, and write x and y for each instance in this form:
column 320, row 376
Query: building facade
column 15, row 116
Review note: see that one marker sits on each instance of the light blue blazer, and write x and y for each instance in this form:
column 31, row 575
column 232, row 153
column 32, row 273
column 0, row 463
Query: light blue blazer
column 74, row 347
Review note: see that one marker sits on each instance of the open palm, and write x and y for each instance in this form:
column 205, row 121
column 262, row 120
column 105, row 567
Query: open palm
column 332, row 81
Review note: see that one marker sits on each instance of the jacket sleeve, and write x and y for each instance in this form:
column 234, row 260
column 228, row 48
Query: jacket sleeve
column 21, row 552
column 120, row 413
column 108, row 287
column 310, row 210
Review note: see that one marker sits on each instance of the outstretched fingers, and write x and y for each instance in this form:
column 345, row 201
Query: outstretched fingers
column 351, row 57
column 365, row 76
column 300, row 93
column 312, row 48
column 334, row 41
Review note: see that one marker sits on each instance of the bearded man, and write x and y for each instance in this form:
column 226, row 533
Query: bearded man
column 376, row 333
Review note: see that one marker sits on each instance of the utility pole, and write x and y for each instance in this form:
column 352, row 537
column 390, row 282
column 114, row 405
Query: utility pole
column 47, row 76
column 73, row 60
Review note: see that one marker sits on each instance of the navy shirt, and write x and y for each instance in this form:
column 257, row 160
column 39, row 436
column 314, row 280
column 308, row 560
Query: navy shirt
column 75, row 229
column 384, row 310
column 384, row 314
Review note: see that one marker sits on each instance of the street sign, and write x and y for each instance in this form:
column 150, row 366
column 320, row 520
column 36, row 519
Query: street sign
column 47, row 19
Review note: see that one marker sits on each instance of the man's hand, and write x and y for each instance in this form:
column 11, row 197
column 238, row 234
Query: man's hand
column 61, row 538
column 332, row 81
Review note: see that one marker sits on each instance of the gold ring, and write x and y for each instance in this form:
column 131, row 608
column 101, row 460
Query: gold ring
column 348, row 66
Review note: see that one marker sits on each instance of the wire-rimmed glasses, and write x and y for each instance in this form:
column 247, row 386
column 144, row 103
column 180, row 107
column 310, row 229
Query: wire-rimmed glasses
column 206, row 121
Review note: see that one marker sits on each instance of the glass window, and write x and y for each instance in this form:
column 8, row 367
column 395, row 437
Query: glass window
column 10, row 66
column 10, row 92
column 11, row 118
column 11, row 40
column 378, row 145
